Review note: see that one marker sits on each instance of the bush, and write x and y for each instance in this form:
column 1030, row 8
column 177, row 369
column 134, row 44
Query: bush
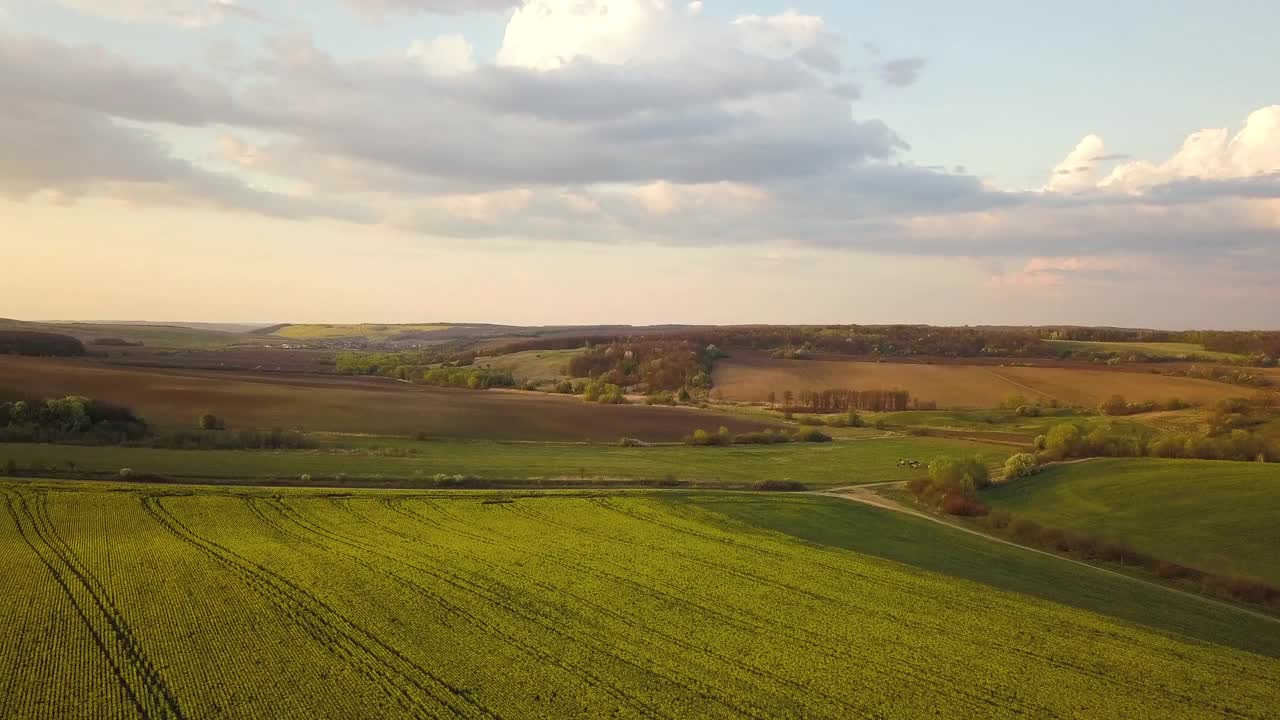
column 811, row 435
column 1021, row 465
column 126, row 473
column 209, row 421
column 632, row 442
column 966, row 474
column 780, row 486
column 958, row 503
column 1027, row 411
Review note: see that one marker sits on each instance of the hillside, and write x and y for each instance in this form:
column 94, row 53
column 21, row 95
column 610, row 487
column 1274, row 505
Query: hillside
column 1211, row 515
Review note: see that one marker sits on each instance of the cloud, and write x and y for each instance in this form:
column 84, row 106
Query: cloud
column 439, row 7
column 188, row 13
column 902, row 72
column 805, row 37
column 444, row 55
column 1078, row 170
column 1210, row 163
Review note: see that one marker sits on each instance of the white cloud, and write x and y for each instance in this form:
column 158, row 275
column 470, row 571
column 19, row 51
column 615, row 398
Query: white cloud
column 1208, row 158
column 444, row 55
column 1078, row 170
column 790, row 33
column 442, row 7
column 547, row 34
column 1211, row 154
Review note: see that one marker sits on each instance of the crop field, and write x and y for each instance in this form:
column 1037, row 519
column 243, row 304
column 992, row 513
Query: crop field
column 1150, row 349
column 751, row 379
column 845, row 462
column 1211, row 515
column 124, row 602
column 359, row 330
column 379, row 406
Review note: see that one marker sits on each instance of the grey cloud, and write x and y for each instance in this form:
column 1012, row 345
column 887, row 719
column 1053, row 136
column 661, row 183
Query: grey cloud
column 902, row 72
column 190, row 13
column 91, row 78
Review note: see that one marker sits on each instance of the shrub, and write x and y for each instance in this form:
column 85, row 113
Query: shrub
column 780, row 486
column 1171, row 570
column 966, row 474
column 1027, row 411
column 564, row 387
column 126, row 472
column 812, row 435
column 1021, row 465
column 632, row 442
column 209, row 421
column 958, row 503
column 306, row 478
column 998, row 519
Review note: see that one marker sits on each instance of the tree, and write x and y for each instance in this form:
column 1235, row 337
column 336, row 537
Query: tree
column 1021, row 465
column 773, row 399
column 1063, row 441
column 787, row 397
column 1114, row 405
column 209, row 421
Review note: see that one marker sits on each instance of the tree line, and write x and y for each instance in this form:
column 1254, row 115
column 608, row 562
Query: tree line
column 41, row 344
column 842, row 401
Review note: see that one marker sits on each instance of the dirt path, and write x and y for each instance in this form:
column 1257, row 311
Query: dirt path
column 866, row 495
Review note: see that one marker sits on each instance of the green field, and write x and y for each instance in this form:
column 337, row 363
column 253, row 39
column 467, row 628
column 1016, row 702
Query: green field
column 367, row 331
column 124, row 602
column 166, row 336
column 1220, row 517
column 1151, row 349
column 1006, row 421
column 844, row 462
column 837, row 522
column 535, row 365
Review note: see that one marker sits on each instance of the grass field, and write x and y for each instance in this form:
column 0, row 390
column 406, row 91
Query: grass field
column 302, row 605
column 751, row 379
column 1017, row 426
column 168, row 336
column 175, row 398
column 367, row 331
column 839, row 523
column 535, row 365
column 1215, row 516
column 847, row 462
column 1150, row 349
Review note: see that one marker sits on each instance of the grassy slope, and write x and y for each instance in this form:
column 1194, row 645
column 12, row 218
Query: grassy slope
column 536, row 365
column 1006, row 421
column 1151, row 349
column 929, row 546
column 846, row 462
column 390, row 605
column 1216, row 516
column 368, row 331
column 168, row 336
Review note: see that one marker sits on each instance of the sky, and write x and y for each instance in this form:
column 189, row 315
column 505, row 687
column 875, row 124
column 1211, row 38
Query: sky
column 640, row 161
